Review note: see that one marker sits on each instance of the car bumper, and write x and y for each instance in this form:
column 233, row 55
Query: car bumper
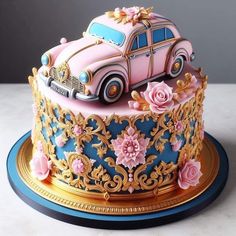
column 65, row 91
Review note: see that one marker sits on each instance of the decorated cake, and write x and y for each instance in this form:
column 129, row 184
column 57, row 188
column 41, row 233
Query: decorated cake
column 118, row 113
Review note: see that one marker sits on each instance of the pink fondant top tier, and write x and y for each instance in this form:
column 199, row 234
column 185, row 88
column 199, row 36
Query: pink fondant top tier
column 121, row 107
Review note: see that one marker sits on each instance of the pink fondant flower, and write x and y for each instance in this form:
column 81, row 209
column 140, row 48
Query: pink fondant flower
column 159, row 96
column 179, row 126
column 78, row 166
column 60, row 141
column 40, row 165
column 130, row 149
column 132, row 12
column 176, row 145
column 189, row 174
column 78, row 130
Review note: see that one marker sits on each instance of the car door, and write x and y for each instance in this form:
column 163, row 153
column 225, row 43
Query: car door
column 139, row 59
column 162, row 39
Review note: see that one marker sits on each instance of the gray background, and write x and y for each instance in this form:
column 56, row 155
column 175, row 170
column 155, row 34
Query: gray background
column 28, row 28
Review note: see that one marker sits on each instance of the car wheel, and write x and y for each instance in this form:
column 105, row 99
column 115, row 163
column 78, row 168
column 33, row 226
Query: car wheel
column 112, row 89
column 177, row 67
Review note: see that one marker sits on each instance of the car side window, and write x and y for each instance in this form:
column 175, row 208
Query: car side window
column 135, row 44
column 169, row 34
column 162, row 34
column 158, row 35
column 143, row 40
column 140, row 41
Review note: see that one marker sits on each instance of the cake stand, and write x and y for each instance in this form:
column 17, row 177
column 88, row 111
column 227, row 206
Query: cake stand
column 155, row 211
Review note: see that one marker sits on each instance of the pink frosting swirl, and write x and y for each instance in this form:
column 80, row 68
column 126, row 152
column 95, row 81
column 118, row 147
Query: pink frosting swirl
column 189, row 174
column 159, row 96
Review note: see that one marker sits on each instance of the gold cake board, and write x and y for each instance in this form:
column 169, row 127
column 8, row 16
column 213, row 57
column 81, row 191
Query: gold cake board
column 210, row 163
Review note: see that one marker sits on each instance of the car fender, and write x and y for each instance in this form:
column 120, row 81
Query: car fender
column 181, row 47
column 100, row 74
column 55, row 51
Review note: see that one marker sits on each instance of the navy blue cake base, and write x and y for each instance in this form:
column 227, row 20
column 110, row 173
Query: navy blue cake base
column 110, row 221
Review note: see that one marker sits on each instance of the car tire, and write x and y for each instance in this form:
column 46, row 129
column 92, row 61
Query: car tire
column 177, row 67
column 111, row 89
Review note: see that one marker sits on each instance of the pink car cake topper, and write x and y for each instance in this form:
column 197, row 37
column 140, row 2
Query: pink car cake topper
column 121, row 50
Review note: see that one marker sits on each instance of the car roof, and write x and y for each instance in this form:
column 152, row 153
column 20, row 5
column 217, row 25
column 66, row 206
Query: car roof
column 128, row 28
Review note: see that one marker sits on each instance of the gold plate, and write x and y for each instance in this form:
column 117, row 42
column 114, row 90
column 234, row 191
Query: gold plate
column 210, row 162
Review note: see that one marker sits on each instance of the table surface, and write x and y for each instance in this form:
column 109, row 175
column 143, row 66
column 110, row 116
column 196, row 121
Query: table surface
column 17, row 218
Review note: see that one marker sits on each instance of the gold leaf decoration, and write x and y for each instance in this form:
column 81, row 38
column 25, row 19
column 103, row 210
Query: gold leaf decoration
column 107, row 177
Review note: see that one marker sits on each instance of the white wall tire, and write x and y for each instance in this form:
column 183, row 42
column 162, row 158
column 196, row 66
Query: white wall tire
column 112, row 89
column 177, row 67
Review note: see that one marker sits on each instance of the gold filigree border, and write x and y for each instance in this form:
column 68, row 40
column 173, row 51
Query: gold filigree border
column 112, row 187
column 210, row 165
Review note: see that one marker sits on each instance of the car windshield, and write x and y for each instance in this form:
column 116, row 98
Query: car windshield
column 106, row 33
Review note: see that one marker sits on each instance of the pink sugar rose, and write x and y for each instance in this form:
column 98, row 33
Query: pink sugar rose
column 78, row 130
column 40, row 165
column 189, row 174
column 78, row 166
column 159, row 96
column 176, row 145
column 131, row 149
column 60, row 142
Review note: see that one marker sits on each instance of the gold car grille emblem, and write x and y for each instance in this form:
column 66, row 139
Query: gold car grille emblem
column 62, row 72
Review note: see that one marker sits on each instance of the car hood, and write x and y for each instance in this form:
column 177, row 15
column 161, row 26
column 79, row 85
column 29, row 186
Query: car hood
column 84, row 52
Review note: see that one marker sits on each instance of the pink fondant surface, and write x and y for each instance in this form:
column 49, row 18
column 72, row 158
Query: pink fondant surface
column 120, row 108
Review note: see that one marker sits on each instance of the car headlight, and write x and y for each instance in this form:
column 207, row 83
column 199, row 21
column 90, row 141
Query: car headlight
column 46, row 59
column 85, row 77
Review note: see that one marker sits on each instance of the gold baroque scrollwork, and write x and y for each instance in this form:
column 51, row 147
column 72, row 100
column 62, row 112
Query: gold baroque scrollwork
column 97, row 178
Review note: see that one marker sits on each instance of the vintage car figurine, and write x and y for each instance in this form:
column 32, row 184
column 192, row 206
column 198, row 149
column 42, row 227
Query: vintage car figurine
column 120, row 51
